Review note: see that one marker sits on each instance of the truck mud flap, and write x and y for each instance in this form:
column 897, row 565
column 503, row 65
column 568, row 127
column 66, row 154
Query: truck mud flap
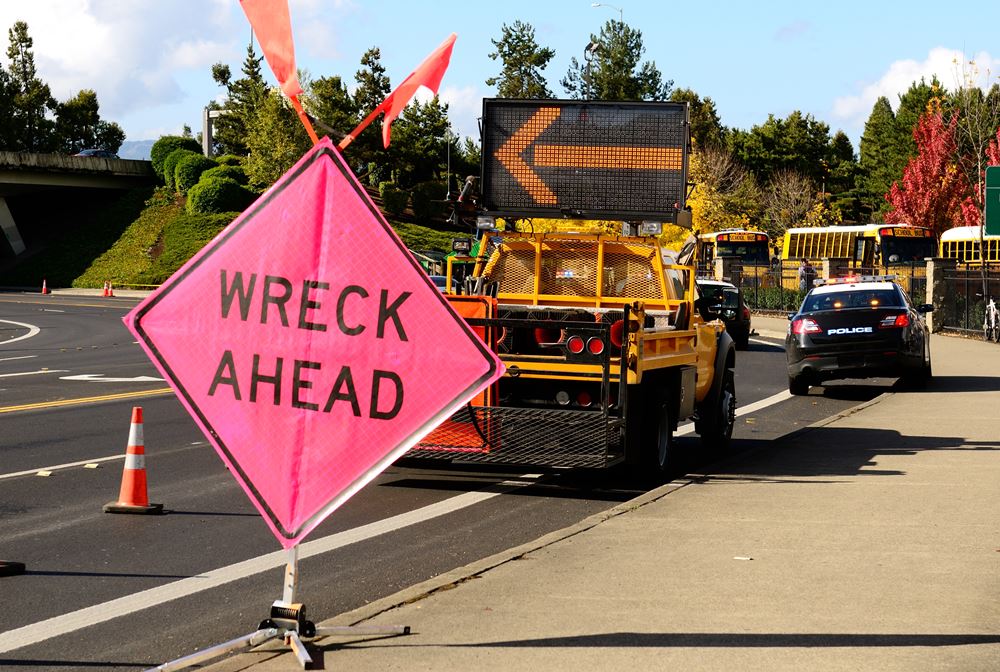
column 525, row 436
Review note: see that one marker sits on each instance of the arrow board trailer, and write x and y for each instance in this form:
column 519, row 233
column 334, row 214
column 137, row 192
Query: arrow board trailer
column 585, row 160
column 605, row 344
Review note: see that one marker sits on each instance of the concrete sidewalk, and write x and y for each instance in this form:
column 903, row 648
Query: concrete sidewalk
column 837, row 548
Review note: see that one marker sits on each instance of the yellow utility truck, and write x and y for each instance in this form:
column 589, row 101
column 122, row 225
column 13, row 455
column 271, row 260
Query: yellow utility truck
column 606, row 345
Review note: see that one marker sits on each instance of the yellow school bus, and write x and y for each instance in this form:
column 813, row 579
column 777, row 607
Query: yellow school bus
column 752, row 248
column 962, row 244
column 867, row 246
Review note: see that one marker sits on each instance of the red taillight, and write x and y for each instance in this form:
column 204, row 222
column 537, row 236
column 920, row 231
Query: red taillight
column 746, row 313
column 595, row 346
column 805, row 325
column 574, row 344
column 617, row 333
column 895, row 321
column 547, row 336
column 583, row 399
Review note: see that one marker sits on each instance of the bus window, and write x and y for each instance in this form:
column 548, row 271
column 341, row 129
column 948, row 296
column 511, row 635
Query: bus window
column 863, row 252
column 897, row 250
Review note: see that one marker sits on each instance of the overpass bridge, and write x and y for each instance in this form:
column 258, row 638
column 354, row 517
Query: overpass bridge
column 34, row 177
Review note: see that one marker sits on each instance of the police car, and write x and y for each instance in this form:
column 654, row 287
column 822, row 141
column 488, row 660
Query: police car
column 857, row 327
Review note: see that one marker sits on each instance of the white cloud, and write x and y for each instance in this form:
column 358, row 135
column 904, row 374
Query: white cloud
column 950, row 66
column 465, row 106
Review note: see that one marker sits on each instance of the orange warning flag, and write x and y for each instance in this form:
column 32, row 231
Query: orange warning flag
column 429, row 74
column 273, row 27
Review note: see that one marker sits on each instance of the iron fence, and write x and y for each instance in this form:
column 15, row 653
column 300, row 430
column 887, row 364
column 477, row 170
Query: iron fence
column 967, row 290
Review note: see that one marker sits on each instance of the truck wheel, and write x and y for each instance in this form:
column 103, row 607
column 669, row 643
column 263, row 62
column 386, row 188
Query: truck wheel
column 718, row 431
column 660, row 447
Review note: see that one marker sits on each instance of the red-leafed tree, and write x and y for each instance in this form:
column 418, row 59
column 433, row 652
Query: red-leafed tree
column 932, row 190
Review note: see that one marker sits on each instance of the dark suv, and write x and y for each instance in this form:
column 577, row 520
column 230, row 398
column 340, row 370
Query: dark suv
column 732, row 309
column 857, row 328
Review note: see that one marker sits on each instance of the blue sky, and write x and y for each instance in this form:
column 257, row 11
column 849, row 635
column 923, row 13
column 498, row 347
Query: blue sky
column 150, row 62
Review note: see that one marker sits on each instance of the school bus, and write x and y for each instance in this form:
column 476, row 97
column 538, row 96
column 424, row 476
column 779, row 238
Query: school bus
column 750, row 247
column 962, row 244
column 867, row 246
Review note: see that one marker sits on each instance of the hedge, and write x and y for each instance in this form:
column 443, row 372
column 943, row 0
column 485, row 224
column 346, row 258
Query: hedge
column 170, row 165
column 162, row 148
column 189, row 169
column 426, row 199
column 226, row 170
column 218, row 194
column 394, row 199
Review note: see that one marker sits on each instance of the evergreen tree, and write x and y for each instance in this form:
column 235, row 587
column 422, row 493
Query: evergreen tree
column 706, row 127
column 912, row 106
column 8, row 135
column 841, row 177
column 275, row 141
column 799, row 144
column 523, row 61
column 877, row 163
column 373, row 87
column 244, row 98
column 612, row 70
column 329, row 101
column 79, row 125
column 419, row 143
column 32, row 101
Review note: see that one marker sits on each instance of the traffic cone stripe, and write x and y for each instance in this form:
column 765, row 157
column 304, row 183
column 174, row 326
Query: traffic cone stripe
column 135, row 461
column 133, row 497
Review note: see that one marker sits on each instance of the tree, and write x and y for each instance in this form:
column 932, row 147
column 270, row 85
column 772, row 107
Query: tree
column 612, row 71
column 912, row 106
column 373, row 87
column 932, row 189
column 32, row 101
column 706, row 127
column 726, row 194
column 788, row 198
column 841, row 177
column 244, row 98
column 79, row 125
column 419, row 143
column 329, row 101
column 275, row 141
column 877, row 163
column 8, row 135
column 798, row 143
column 523, row 61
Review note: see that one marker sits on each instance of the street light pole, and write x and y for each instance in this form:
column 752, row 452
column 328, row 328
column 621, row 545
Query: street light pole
column 617, row 9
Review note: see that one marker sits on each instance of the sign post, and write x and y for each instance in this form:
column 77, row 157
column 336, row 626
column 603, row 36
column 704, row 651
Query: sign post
column 312, row 350
column 992, row 202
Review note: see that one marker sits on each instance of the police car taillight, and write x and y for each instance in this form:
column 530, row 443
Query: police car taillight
column 805, row 325
column 895, row 321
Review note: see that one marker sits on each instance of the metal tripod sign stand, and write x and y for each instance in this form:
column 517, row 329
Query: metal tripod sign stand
column 287, row 621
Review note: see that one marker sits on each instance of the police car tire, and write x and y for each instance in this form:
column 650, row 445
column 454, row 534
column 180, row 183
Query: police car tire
column 797, row 385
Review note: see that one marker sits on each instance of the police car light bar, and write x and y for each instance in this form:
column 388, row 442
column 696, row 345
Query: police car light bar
column 851, row 279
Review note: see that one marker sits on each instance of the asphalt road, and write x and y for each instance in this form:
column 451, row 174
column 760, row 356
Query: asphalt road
column 116, row 592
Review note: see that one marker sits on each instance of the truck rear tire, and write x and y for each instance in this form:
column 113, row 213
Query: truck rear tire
column 659, row 446
column 716, row 428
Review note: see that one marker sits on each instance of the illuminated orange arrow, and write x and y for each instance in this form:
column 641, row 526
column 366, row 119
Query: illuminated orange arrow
column 575, row 156
column 510, row 154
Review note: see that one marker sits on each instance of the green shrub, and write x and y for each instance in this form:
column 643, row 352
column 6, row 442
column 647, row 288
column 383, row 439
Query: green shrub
column 229, row 160
column 427, row 200
column 170, row 165
column 226, row 170
column 165, row 145
column 394, row 199
column 189, row 169
column 218, row 194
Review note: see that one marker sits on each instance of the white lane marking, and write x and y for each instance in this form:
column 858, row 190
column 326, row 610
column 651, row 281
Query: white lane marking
column 32, row 331
column 99, row 613
column 68, row 465
column 33, row 373
column 52, row 310
column 99, row 378
column 743, row 410
column 11, row 359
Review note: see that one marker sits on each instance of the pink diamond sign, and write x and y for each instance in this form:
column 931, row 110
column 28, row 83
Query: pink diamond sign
column 309, row 345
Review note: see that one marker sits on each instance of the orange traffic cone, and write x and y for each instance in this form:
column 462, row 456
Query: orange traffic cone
column 133, row 497
column 105, row 292
column 111, row 290
column 45, row 287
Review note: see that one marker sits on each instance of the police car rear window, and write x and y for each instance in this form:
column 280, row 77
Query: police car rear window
column 874, row 298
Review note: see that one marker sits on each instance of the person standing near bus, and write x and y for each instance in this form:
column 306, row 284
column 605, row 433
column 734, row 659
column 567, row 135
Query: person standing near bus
column 807, row 273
